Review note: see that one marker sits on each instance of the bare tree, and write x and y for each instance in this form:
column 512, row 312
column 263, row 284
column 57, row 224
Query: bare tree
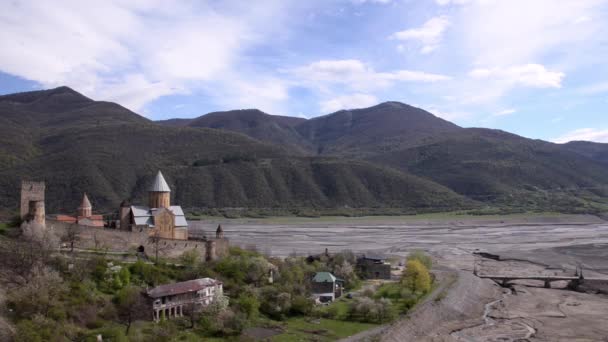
column 72, row 235
column 158, row 243
column 25, row 257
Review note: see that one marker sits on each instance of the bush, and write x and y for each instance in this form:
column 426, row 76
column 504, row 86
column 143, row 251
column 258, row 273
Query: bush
column 367, row 310
column 301, row 305
column 249, row 304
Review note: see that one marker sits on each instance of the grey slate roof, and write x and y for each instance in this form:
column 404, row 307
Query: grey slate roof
column 145, row 215
column 160, row 185
column 182, row 287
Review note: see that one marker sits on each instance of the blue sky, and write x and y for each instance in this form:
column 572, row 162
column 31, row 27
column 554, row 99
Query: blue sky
column 535, row 67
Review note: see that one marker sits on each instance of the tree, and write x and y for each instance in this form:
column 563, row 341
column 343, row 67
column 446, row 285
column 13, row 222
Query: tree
column 416, row 277
column 155, row 240
column 131, row 306
column 39, row 296
column 424, row 258
column 249, row 304
column 72, row 235
column 26, row 257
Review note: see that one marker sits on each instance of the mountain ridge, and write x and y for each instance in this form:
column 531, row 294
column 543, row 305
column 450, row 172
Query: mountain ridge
column 385, row 156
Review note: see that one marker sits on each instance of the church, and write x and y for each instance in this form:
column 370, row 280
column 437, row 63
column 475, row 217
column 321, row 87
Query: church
column 165, row 220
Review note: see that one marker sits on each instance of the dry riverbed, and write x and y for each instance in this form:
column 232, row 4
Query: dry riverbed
column 473, row 309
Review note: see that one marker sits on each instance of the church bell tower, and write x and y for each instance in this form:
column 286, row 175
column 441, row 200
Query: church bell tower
column 160, row 193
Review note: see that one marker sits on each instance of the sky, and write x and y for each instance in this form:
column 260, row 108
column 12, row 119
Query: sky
column 537, row 68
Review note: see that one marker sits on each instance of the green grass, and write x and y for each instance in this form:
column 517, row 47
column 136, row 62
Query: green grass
column 3, row 228
column 453, row 215
column 302, row 329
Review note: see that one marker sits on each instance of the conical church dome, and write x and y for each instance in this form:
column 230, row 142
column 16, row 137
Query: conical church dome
column 160, row 185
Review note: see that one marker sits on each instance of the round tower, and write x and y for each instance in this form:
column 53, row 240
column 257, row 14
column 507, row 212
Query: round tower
column 85, row 209
column 160, row 193
column 219, row 232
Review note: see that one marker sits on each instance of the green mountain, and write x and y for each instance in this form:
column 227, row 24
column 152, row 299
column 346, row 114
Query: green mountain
column 483, row 165
column 595, row 151
column 76, row 144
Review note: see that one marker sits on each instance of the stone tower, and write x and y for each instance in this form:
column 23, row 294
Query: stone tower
column 85, row 209
column 219, row 232
column 160, row 193
column 37, row 213
column 124, row 212
column 31, row 192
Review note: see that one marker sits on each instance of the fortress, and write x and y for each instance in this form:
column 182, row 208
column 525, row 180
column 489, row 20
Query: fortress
column 32, row 202
column 157, row 228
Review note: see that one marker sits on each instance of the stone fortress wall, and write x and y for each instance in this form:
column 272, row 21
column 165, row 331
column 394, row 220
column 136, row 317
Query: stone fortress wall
column 114, row 240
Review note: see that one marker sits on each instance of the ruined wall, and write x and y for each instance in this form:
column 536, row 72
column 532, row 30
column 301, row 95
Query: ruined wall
column 30, row 192
column 115, row 240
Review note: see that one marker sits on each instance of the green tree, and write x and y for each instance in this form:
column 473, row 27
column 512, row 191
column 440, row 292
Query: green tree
column 424, row 258
column 416, row 277
column 249, row 304
column 130, row 306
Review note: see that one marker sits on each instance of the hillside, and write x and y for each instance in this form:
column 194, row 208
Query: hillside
column 498, row 167
column 595, row 151
column 111, row 153
column 273, row 129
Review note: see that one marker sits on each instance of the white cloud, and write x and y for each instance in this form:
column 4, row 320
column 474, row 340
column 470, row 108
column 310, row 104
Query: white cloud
column 531, row 75
column 356, row 75
column 585, row 134
column 504, row 112
column 131, row 52
column 447, row 114
column 495, row 32
column 357, row 100
column 429, row 34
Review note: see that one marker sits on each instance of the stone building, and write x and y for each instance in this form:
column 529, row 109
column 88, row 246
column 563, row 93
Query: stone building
column 32, row 202
column 160, row 217
column 173, row 300
column 371, row 266
column 84, row 215
column 326, row 287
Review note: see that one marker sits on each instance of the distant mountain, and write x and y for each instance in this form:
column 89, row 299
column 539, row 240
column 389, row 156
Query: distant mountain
column 256, row 124
column 381, row 128
column 76, row 144
column 595, row 151
column 387, row 126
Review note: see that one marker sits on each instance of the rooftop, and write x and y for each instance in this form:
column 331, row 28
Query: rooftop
column 325, row 277
column 160, row 185
column 182, row 287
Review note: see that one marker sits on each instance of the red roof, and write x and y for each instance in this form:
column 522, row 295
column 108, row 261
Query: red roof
column 66, row 218
column 183, row 287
